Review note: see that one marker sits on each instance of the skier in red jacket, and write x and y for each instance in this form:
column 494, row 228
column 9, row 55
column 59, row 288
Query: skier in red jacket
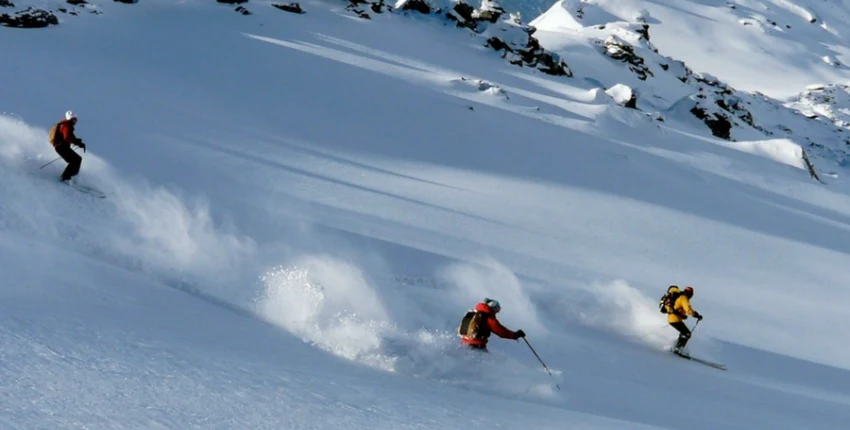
column 475, row 329
column 62, row 139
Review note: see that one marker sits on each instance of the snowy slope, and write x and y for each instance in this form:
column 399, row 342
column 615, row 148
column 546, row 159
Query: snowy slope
column 302, row 207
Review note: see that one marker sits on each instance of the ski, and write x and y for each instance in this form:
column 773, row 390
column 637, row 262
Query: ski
column 701, row 361
column 88, row 190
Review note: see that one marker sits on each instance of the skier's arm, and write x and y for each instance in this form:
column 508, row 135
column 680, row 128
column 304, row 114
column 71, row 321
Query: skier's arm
column 500, row 330
column 686, row 307
column 68, row 135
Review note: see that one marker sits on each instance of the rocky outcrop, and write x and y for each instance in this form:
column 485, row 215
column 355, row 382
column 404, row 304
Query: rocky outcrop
column 623, row 95
column 29, row 18
column 6, row 3
column 827, row 102
column 359, row 7
column 719, row 124
column 501, row 31
column 620, row 50
column 232, row 1
column 508, row 35
column 291, row 7
column 720, row 106
column 420, row 6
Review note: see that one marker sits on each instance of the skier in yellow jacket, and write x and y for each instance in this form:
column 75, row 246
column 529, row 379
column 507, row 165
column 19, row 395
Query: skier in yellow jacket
column 681, row 310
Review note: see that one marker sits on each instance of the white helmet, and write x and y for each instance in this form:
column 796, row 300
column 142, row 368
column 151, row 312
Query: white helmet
column 69, row 115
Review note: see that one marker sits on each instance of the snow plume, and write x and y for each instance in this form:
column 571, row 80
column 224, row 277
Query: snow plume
column 619, row 307
column 330, row 303
column 489, row 278
column 15, row 137
column 168, row 230
column 136, row 226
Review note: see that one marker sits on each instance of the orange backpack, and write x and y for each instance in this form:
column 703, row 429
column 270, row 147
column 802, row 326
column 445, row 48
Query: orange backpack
column 53, row 135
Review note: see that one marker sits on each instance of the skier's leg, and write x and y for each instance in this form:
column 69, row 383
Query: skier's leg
column 684, row 334
column 72, row 158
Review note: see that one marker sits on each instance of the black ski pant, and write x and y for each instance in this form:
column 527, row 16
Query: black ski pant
column 72, row 158
column 684, row 334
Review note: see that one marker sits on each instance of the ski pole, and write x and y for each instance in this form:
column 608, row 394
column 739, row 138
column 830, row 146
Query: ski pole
column 541, row 362
column 49, row 163
column 55, row 159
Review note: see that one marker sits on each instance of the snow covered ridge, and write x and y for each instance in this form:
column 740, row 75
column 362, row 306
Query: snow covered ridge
column 667, row 88
column 828, row 104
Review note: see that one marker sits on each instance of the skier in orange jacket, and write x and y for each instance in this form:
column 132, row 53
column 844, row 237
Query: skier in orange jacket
column 476, row 327
column 62, row 137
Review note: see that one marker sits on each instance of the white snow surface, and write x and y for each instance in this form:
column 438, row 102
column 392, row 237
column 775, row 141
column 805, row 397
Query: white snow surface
column 301, row 208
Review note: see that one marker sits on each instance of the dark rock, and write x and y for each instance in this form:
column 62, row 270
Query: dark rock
column 718, row 124
column 362, row 14
column 619, row 49
column 417, row 6
column 498, row 44
column 354, row 6
column 462, row 15
column 29, row 18
column 464, row 10
column 232, row 1
column 378, row 7
column 533, row 56
column 63, row 10
column 489, row 16
column 130, row 1
column 242, row 10
column 77, row 2
column 291, row 7
column 6, row 3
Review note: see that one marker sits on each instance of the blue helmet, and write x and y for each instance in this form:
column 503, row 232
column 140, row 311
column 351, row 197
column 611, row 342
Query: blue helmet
column 493, row 304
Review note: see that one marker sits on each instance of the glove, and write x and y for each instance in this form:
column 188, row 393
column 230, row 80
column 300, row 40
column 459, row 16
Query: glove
column 520, row 333
column 81, row 145
column 697, row 316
